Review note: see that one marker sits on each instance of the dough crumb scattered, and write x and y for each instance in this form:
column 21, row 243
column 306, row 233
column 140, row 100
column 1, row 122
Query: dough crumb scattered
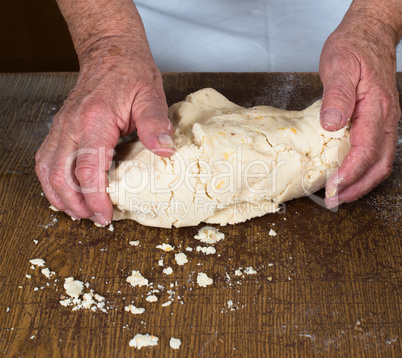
column 209, row 250
column 134, row 243
column 209, row 235
column 37, row 262
column 134, row 310
column 238, row 272
column 203, row 280
column 175, row 343
column 151, row 298
column 46, row 272
column 89, row 300
column 111, row 227
column 272, row 232
column 168, row 303
column 168, row 270
column 250, row 271
column 143, row 340
column 165, row 247
column 180, row 258
column 136, row 279
column 73, row 287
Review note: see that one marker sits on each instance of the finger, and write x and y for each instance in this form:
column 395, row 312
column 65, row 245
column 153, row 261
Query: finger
column 93, row 162
column 366, row 137
column 44, row 157
column 340, row 77
column 154, row 128
column 63, row 181
column 376, row 174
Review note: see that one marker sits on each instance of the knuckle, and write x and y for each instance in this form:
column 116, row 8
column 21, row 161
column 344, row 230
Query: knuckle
column 57, row 178
column 341, row 90
column 85, row 174
column 42, row 171
column 386, row 168
column 369, row 155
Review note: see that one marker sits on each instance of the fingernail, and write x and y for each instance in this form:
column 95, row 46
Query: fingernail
column 165, row 140
column 331, row 192
column 332, row 117
column 334, row 202
column 100, row 219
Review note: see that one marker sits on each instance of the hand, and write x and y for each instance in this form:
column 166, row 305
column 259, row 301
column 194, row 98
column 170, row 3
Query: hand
column 119, row 90
column 358, row 72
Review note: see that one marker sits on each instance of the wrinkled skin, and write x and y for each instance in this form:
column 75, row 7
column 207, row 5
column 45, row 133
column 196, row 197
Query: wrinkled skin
column 358, row 71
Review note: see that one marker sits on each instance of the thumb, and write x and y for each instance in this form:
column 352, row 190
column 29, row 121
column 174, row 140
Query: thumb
column 339, row 96
column 154, row 128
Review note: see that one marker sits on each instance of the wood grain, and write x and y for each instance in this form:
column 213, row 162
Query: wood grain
column 329, row 284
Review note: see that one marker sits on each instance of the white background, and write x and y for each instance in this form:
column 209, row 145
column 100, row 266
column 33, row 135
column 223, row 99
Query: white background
column 240, row 35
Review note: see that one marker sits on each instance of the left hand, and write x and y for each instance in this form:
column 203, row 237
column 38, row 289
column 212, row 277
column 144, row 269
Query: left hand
column 358, row 72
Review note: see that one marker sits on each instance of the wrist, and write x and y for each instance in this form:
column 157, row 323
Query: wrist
column 381, row 20
column 114, row 49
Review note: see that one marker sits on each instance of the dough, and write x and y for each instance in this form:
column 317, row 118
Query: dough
column 231, row 164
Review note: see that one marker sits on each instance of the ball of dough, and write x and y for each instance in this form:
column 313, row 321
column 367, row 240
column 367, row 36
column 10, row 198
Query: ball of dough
column 231, row 164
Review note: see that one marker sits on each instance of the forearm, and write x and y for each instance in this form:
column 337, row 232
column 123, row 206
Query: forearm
column 92, row 21
column 384, row 16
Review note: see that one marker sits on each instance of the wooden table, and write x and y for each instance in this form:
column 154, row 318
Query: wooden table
column 329, row 284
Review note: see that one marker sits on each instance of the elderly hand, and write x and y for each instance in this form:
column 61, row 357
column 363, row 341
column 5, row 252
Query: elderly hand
column 357, row 69
column 119, row 90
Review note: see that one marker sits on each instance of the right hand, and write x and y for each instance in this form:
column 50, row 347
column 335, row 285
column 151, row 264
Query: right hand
column 119, row 90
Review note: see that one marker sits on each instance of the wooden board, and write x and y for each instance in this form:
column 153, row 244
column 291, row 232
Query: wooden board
column 329, row 284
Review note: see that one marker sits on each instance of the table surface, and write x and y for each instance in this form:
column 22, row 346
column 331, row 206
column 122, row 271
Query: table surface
column 329, row 284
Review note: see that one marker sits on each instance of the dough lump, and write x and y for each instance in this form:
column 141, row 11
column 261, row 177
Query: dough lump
column 231, row 164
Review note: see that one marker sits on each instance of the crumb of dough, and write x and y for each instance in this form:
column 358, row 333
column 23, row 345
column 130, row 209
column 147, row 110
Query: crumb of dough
column 210, row 250
column 180, row 258
column 272, row 232
column 203, row 280
column 189, row 249
column 136, row 279
column 160, row 262
column 249, row 271
column 80, row 300
column 53, row 208
column 209, row 235
column 175, row 343
column 238, row 272
column 111, row 227
column 143, row 340
column 134, row 310
column 37, row 262
column 165, row 247
column 168, row 270
column 134, row 243
column 73, row 287
column 151, row 298
column 167, row 303
column 46, row 272
column 28, row 276
column 35, row 242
